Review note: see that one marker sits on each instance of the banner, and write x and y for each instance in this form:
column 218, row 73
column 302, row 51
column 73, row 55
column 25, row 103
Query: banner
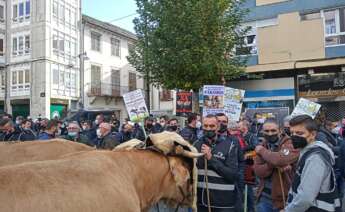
column 307, row 107
column 135, row 105
column 184, row 104
column 278, row 113
column 233, row 100
column 213, row 99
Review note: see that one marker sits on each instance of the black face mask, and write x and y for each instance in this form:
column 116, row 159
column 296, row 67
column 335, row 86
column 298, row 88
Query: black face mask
column 223, row 128
column 287, row 131
column 172, row 128
column 299, row 142
column 272, row 138
column 210, row 134
column 149, row 126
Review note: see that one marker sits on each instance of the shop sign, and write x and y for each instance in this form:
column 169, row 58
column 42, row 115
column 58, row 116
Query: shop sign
column 321, row 85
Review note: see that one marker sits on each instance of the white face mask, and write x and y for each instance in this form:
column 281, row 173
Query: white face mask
column 96, row 122
column 336, row 130
column 99, row 134
column 198, row 124
column 261, row 120
column 58, row 132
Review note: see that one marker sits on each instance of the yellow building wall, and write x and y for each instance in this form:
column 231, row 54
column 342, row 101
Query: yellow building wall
column 291, row 40
column 264, row 2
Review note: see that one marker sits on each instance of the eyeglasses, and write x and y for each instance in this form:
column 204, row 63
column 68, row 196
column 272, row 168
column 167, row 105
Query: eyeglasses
column 209, row 126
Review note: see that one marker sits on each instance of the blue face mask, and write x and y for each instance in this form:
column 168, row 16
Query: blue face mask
column 72, row 134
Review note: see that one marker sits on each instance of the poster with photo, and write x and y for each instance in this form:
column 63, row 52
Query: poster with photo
column 184, row 104
column 213, row 99
column 233, row 100
column 305, row 106
column 136, row 105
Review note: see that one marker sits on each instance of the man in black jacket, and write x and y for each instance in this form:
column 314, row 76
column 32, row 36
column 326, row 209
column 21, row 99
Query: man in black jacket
column 105, row 139
column 8, row 130
column 27, row 134
column 223, row 171
column 189, row 133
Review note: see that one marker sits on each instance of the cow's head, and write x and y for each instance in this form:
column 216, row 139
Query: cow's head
column 183, row 180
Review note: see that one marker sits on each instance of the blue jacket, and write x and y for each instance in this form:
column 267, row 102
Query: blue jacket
column 27, row 135
column 189, row 134
column 122, row 136
column 45, row 136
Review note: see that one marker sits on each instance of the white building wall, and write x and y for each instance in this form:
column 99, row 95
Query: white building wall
column 107, row 62
column 40, row 25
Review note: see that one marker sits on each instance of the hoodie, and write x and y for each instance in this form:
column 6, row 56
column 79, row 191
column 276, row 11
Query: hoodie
column 315, row 179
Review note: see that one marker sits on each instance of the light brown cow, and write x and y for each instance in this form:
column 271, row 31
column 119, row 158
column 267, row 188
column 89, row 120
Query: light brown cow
column 102, row 181
column 29, row 151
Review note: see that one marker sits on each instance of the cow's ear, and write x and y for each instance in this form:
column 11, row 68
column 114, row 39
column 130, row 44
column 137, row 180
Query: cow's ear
column 180, row 173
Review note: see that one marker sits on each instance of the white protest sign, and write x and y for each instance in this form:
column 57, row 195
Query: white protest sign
column 213, row 99
column 233, row 100
column 135, row 105
column 306, row 107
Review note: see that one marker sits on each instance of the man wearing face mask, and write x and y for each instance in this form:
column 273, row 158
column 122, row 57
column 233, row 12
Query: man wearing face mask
column 73, row 134
column 273, row 164
column 257, row 124
column 222, row 169
column 172, row 125
column 105, row 139
column 161, row 125
column 189, row 133
column 314, row 186
column 329, row 134
column 286, row 127
column 125, row 134
column 19, row 120
column 232, row 135
column 93, row 131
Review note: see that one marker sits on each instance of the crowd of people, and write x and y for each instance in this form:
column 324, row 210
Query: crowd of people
column 260, row 164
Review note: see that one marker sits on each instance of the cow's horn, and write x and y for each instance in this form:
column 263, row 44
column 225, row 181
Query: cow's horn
column 180, row 151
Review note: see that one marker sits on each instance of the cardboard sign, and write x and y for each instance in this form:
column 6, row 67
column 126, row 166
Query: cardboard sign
column 233, row 100
column 136, row 105
column 213, row 99
column 306, row 107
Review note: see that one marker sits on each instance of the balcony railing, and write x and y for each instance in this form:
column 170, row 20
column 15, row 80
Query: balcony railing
column 106, row 89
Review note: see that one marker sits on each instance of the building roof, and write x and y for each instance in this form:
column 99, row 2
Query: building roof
column 109, row 27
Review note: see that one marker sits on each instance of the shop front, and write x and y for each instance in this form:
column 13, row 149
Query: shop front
column 20, row 107
column 328, row 89
column 267, row 93
column 58, row 108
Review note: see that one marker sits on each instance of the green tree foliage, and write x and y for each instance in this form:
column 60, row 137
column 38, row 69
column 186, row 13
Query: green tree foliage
column 187, row 43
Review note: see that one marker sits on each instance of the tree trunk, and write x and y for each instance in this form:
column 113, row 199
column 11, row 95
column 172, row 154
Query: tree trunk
column 196, row 108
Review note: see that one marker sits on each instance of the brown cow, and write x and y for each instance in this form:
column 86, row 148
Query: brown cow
column 29, row 151
column 102, row 181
